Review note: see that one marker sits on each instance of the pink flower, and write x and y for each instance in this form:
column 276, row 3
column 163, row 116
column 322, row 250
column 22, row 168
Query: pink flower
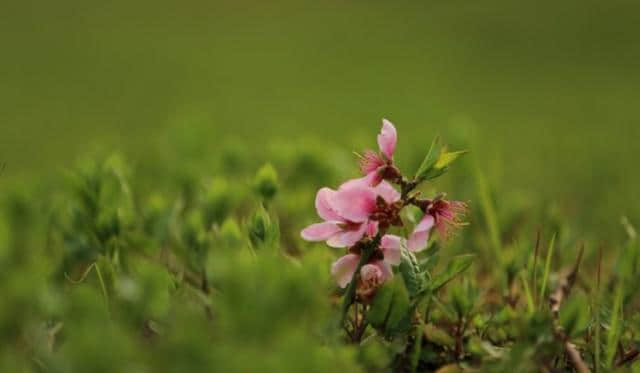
column 375, row 165
column 444, row 215
column 346, row 212
column 378, row 270
column 448, row 216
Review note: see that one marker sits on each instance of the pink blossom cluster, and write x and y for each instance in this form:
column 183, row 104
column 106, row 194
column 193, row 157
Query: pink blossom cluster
column 360, row 212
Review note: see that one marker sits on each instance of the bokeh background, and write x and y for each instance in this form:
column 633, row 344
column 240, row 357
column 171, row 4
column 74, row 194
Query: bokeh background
column 154, row 155
column 545, row 93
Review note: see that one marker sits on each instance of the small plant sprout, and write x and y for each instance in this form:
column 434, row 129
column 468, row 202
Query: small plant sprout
column 360, row 215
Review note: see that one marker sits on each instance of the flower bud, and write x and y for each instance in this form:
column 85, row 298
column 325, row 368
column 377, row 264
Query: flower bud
column 371, row 278
column 266, row 182
column 262, row 231
column 230, row 233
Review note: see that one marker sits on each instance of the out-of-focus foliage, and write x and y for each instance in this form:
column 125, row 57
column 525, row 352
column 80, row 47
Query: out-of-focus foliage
column 181, row 252
column 128, row 267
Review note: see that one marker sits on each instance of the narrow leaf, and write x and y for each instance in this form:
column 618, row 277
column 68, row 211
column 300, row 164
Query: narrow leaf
column 547, row 269
column 456, row 265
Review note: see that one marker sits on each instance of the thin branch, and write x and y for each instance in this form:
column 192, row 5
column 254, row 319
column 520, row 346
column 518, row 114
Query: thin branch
column 576, row 360
column 555, row 301
column 628, row 357
column 564, row 286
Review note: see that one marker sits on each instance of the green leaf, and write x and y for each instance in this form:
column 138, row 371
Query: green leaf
column 547, row 268
column 429, row 160
column 391, row 307
column 574, row 316
column 398, row 317
column 413, row 276
column 438, row 336
column 447, row 158
column 380, row 305
column 437, row 161
column 456, row 265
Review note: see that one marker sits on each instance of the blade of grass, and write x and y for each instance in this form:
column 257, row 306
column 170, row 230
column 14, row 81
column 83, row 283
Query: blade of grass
column 534, row 281
column 531, row 307
column 547, row 269
column 626, row 267
column 614, row 335
column 103, row 288
column 597, row 310
column 489, row 213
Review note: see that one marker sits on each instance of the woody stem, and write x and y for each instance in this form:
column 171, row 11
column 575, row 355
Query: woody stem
column 350, row 294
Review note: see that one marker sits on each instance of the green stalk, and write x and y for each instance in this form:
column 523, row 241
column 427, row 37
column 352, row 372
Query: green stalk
column 597, row 352
column 547, row 269
column 527, row 291
column 490, row 214
column 614, row 335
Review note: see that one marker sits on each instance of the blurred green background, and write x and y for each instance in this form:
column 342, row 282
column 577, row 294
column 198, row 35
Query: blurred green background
column 155, row 155
column 544, row 93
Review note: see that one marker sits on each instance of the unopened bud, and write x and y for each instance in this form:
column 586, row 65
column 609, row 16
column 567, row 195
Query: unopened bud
column 230, row 233
column 371, row 278
column 263, row 232
column 266, row 182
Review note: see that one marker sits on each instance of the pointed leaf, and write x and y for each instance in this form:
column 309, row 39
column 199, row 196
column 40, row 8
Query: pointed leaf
column 456, row 265
column 429, row 160
column 413, row 276
column 400, row 306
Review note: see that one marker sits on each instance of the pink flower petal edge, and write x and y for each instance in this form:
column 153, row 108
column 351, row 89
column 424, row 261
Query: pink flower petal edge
column 388, row 192
column 320, row 231
column 418, row 239
column 344, row 268
column 391, row 246
column 347, row 237
column 387, row 139
column 324, row 207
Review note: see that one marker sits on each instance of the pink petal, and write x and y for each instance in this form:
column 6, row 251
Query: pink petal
column 344, row 268
column 375, row 177
column 372, row 228
column 387, row 273
column 386, row 191
column 387, row 139
column 371, row 179
column 323, row 205
column 355, row 203
column 320, row 231
column 391, row 246
column 361, row 182
column 420, row 236
column 347, row 238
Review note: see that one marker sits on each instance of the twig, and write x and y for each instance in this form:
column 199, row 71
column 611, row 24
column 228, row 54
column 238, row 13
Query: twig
column 628, row 357
column 564, row 286
column 575, row 358
column 555, row 301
